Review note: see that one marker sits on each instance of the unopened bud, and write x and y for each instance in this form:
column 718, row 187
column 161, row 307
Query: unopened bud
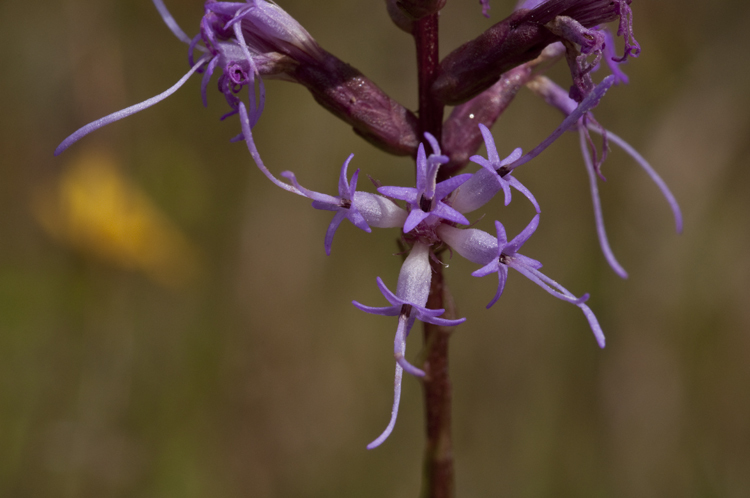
column 417, row 9
column 355, row 99
column 478, row 64
column 461, row 135
column 399, row 17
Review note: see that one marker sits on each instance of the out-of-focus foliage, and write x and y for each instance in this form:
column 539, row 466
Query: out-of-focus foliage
column 95, row 210
column 255, row 376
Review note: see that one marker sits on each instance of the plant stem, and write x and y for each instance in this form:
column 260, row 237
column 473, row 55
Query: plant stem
column 430, row 109
column 438, row 480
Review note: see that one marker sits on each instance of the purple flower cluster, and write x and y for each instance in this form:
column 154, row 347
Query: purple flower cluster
column 245, row 42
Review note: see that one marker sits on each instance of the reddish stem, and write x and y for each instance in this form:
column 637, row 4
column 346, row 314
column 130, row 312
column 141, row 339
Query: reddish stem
column 428, row 62
column 438, row 480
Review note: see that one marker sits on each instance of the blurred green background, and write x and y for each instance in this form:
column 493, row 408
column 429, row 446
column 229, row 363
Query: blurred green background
column 171, row 327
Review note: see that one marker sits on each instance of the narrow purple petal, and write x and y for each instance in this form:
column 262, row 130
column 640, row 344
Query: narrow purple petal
column 359, row 221
column 394, row 411
column 517, row 152
column 485, row 163
column 611, row 58
column 445, row 187
column 316, row 196
column 390, row 296
column 594, row 324
column 489, row 144
column 502, row 238
column 384, row 310
column 325, row 206
column 520, row 239
column 442, row 322
column 598, row 216
column 433, row 143
column 416, row 216
column 399, row 347
column 589, row 102
column 408, row 194
column 491, row 267
column 527, row 261
column 248, row 135
column 526, row 192
column 502, row 277
column 547, row 284
column 116, row 116
column 421, row 169
column 170, row 22
column 448, row 213
column 207, row 77
column 331, row 231
column 344, row 190
column 654, row 177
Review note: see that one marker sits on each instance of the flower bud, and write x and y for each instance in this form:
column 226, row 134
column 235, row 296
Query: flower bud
column 399, row 17
column 461, row 135
column 478, row 64
column 417, row 9
column 350, row 96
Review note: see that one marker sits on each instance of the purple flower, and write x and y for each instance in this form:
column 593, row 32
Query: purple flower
column 497, row 255
column 255, row 38
column 486, row 182
column 557, row 97
column 408, row 303
column 427, row 199
column 243, row 40
column 361, row 208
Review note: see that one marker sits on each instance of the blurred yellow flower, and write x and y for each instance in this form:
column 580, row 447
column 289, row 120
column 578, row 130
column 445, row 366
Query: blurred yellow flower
column 95, row 209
